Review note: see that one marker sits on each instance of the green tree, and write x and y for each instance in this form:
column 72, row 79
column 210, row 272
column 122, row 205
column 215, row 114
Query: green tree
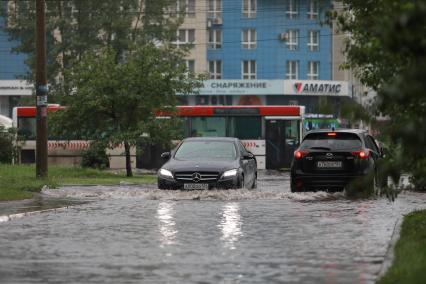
column 74, row 27
column 116, row 102
column 110, row 62
column 387, row 47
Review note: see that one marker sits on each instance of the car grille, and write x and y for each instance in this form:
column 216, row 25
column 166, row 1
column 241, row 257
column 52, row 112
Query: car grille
column 197, row 176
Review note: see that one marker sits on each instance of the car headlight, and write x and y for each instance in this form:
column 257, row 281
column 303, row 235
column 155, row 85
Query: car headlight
column 166, row 173
column 230, row 173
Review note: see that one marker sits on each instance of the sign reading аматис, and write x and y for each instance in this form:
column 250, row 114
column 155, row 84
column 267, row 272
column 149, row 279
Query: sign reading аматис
column 316, row 87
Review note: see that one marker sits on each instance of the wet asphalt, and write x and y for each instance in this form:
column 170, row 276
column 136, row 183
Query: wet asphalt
column 139, row 234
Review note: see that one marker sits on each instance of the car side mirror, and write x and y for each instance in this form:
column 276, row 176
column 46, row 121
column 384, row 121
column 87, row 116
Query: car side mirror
column 248, row 156
column 165, row 155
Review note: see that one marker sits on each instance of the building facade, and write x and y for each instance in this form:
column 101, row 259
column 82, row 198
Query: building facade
column 12, row 67
column 269, row 42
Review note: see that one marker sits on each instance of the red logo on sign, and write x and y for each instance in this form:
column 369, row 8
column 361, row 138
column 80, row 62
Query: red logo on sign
column 298, row 87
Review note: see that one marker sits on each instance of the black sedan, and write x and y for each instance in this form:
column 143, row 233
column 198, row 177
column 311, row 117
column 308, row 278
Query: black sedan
column 206, row 163
column 332, row 159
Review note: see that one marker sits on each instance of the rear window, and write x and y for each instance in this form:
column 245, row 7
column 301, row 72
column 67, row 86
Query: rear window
column 332, row 141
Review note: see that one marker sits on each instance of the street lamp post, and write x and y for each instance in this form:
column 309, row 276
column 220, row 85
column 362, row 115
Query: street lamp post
column 41, row 92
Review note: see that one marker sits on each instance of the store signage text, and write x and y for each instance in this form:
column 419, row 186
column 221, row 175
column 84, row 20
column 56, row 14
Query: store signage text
column 241, row 87
column 274, row 87
column 238, row 85
column 317, row 88
column 313, row 88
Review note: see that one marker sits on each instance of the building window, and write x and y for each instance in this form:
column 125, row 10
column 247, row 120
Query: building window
column 215, row 38
column 313, row 9
column 293, row 39
column 292, row 9
column 215, row 9
column 249, row 8
column 207, row 126
column 249, row 69
column 183, row 7
column 185, row 36
column 313, row 70
column 292, row 70
column 313, row 40
column 248, row 38
column 215, row 69
column 190, row 65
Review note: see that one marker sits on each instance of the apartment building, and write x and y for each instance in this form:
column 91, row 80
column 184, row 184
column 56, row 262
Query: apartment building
column 269, row 52
column 12, row 67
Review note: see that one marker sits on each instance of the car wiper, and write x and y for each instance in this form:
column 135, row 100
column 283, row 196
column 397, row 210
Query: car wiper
column 321, row 148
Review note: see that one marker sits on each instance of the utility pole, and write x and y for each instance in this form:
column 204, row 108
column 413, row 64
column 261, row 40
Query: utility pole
column 41, row 92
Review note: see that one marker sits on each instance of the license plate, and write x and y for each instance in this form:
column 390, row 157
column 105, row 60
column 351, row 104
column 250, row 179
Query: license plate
column 195, row 186
column 329, row 164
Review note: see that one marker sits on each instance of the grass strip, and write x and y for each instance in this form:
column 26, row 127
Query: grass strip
column 18, row 181
column 409, row 265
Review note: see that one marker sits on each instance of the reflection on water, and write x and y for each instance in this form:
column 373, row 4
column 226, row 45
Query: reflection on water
column 38, row 203
column 167, row 225
column 132, row 234
column 230, row 224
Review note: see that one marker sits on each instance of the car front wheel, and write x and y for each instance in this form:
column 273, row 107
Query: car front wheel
column 161, row 185
column 241, row 182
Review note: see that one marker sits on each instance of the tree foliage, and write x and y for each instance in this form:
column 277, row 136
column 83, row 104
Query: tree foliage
column 75, row 27
column 117, row 101
column 387, row 47
column 7, row 149
column 111, row 63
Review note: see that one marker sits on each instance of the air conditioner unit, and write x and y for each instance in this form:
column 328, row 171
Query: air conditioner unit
column 283, row 36
column 217, row 21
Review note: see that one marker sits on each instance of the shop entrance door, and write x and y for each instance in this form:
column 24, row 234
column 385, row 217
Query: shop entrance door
column 282, row 139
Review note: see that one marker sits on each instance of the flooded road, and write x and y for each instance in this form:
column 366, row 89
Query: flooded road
column 129, row 234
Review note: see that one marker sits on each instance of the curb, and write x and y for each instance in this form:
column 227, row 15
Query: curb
column 7, row 218
column 390, row 255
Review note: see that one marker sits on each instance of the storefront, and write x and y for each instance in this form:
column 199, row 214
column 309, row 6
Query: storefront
column 312, row 94
column 279, row 134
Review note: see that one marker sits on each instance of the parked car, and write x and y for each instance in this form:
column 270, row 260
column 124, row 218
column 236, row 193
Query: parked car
column 332, row 159
column 206, row 163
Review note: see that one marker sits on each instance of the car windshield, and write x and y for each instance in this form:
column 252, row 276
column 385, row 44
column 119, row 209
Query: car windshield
column 202, row 150
column 332, row 141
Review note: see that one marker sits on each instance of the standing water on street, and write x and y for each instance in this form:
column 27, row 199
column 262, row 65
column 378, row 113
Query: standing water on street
column 267, row 235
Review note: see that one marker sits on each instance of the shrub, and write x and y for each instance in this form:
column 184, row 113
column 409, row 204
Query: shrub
column 95, row 156
column 6, row 145
column 418, row 175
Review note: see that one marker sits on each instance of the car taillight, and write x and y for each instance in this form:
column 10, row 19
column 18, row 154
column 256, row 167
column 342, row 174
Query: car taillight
column 300, row 154
column 362, row 154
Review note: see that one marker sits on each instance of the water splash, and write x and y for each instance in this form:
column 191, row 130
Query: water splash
column 105, row 192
